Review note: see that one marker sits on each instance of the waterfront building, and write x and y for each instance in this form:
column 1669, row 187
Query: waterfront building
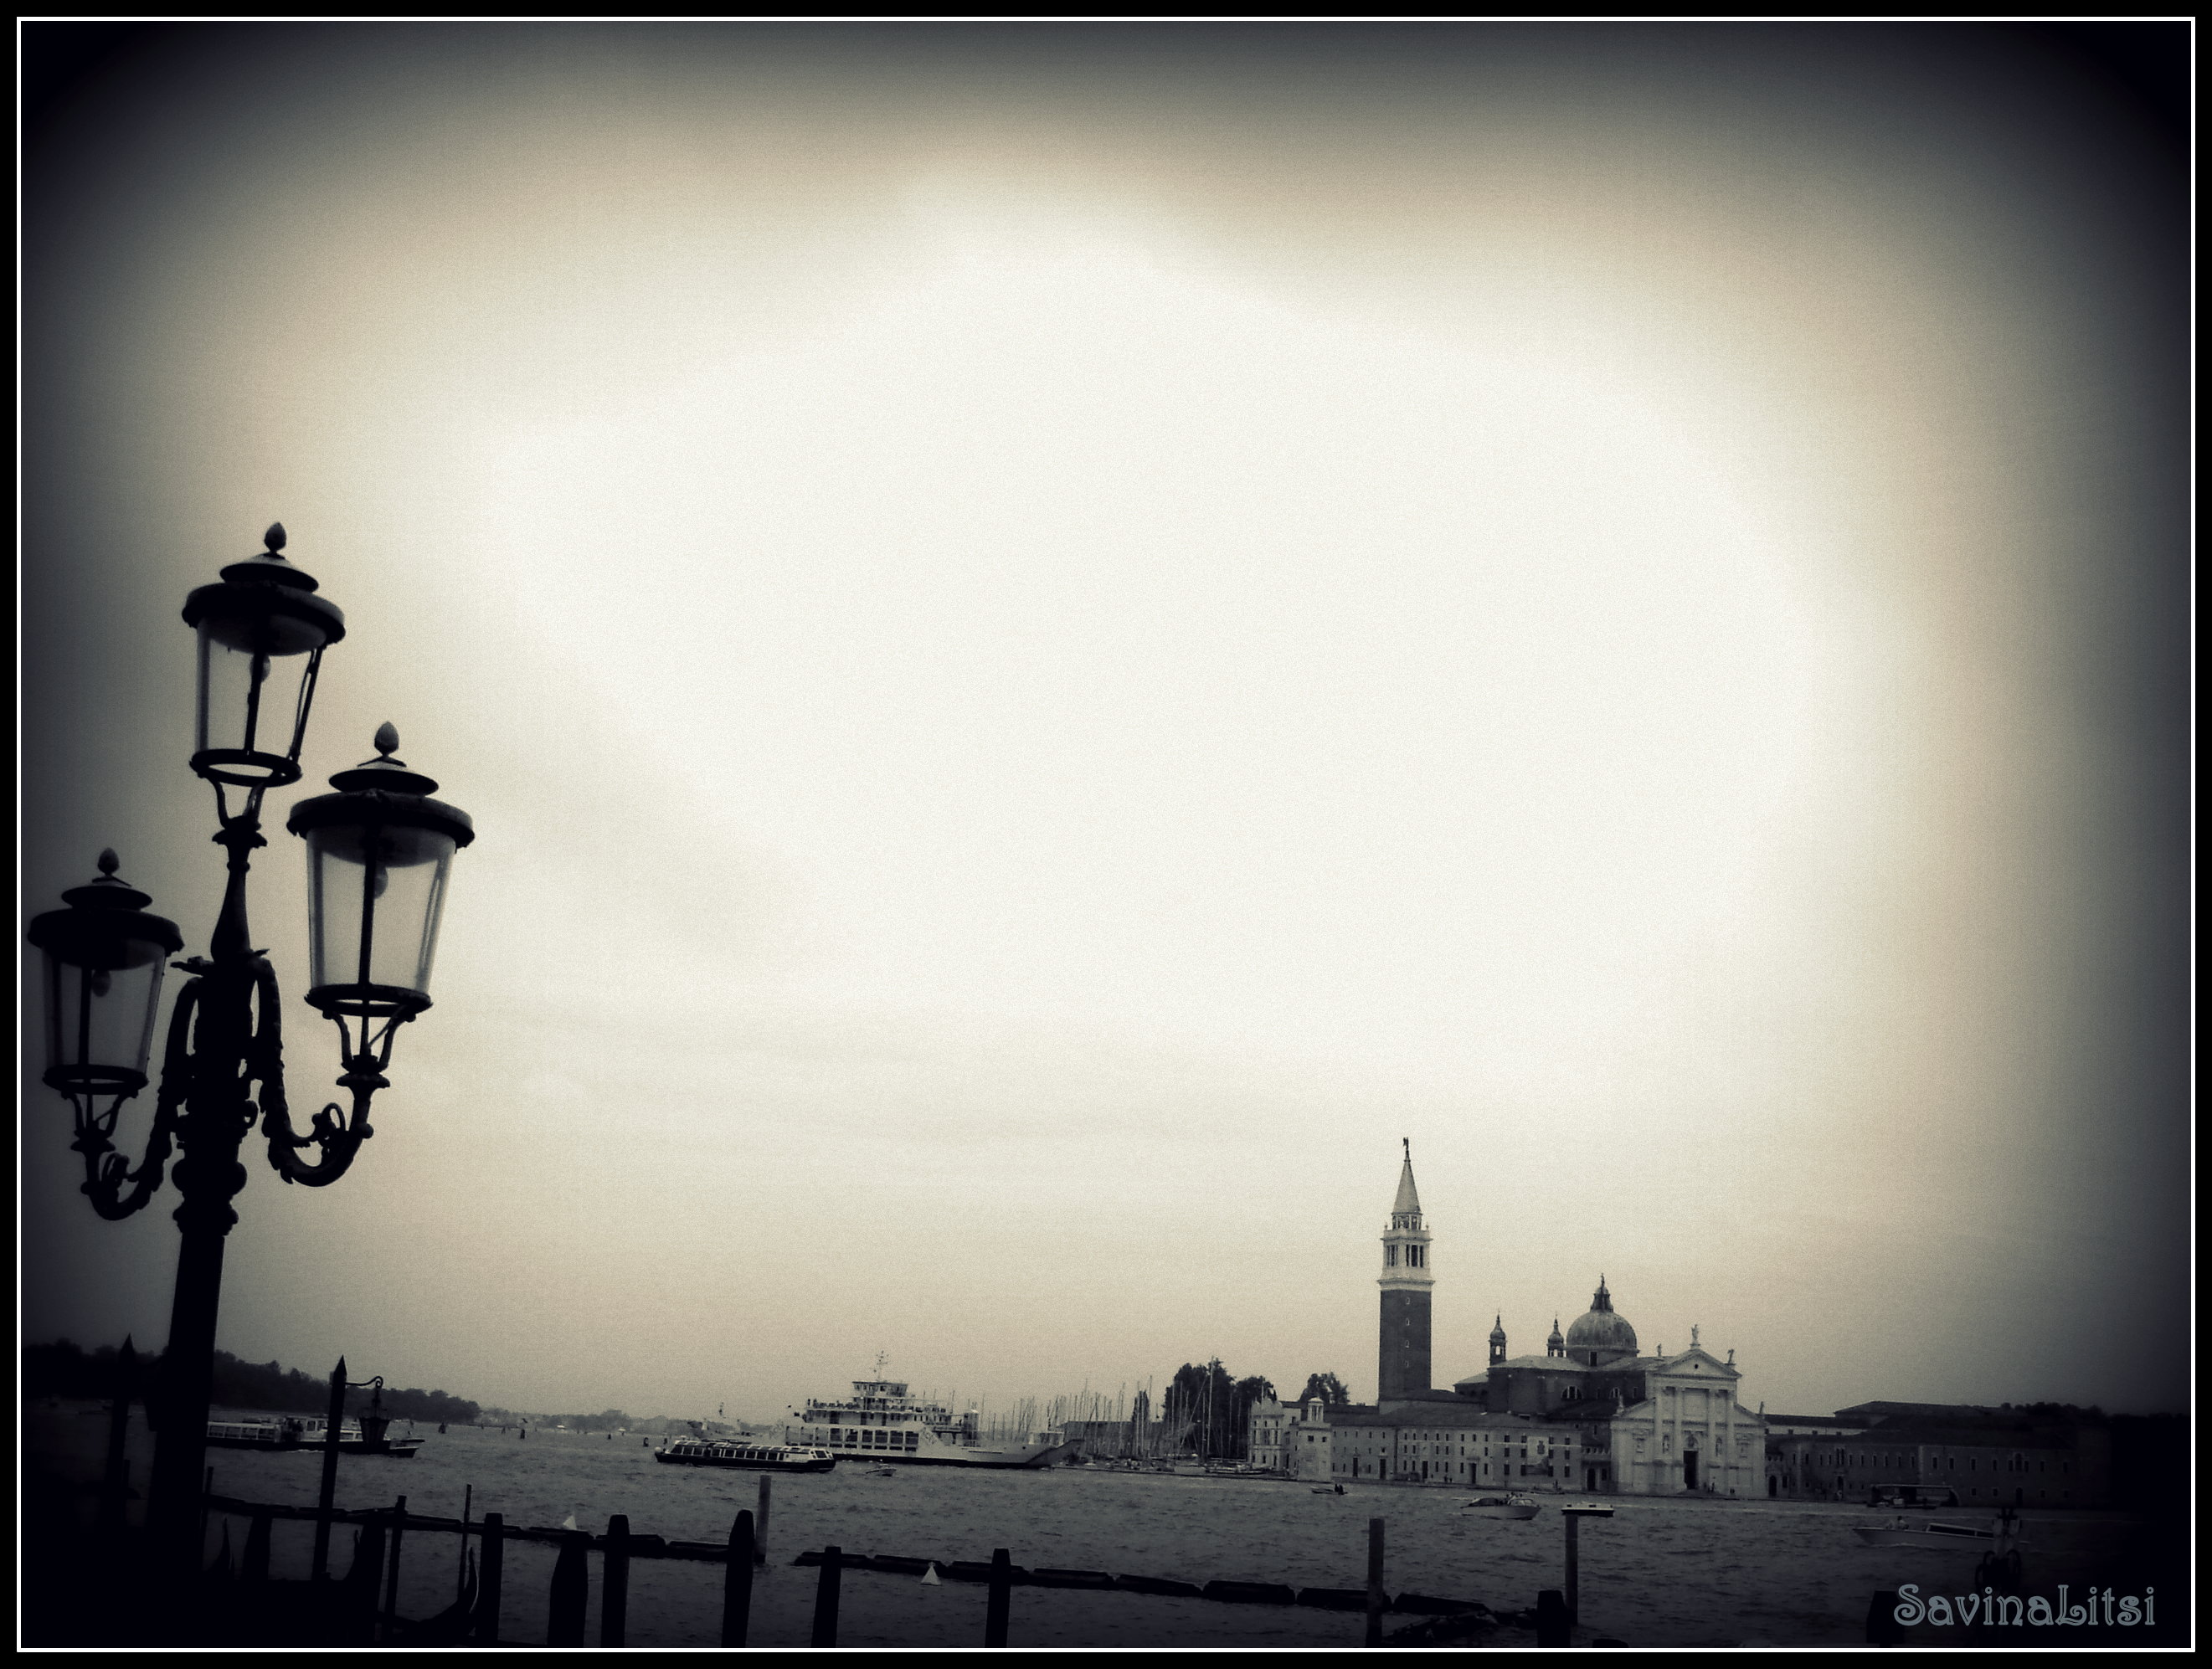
column 1266, row 1434
column 1813, row 1425
column 1438, row 1440
column 1597, row 1413
column 1991, row 1457
column 1593, row 1413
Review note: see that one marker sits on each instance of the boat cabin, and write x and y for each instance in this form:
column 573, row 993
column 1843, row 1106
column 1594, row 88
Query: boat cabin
column 1913, row 1495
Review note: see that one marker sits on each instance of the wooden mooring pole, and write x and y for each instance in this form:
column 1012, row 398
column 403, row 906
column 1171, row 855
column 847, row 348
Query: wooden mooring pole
column 492, row 1539
column 326, row 1497
column 738, row 1581
column 1378, row 1601
column 391, row 1570
column 572, row 1581
column 363, row 1580
column 255, row 1569
column 614, row 1601
column 115, row 1487
column 825, row 1598
column 1574, row 1567
column 760, row 1523
column 1553, row 1628
column 461, row 1564
column 1001, row 1595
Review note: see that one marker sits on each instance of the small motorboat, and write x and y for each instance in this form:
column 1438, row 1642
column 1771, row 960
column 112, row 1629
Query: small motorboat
column 880, row 1472
column 1515, row 1506
column 1935, row 1533
column 1330, row 1488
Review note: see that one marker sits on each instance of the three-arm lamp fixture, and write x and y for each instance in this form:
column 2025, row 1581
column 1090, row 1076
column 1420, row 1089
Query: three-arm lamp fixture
column 378, row 851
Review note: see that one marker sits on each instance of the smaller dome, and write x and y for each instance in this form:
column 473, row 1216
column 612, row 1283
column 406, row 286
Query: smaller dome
column 1497, row 1330
column 1555, row 1341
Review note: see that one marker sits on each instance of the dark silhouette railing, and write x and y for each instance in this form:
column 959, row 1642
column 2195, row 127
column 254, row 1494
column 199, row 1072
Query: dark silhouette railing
column 476, row 1617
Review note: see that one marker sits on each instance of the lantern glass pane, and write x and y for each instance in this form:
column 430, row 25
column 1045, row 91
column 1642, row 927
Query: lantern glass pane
column 379, row 887
column 100, row 1012
column 250, row 686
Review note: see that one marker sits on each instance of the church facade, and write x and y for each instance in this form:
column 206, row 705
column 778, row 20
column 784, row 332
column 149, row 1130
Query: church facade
column 1594, row 1413
column 1658, row 1423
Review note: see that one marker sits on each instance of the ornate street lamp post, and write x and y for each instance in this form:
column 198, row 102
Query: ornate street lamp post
column 379, row 851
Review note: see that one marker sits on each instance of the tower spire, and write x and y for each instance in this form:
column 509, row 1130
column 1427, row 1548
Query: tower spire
column 1408, row 1201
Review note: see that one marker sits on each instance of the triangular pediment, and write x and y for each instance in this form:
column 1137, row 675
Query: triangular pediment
column 1697, row 1361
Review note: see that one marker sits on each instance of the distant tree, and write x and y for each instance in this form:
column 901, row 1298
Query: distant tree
column 1201, row 1401
column 1330, row 1388
column 608, row 1419
column 1211, row 1408
column 62, row 1370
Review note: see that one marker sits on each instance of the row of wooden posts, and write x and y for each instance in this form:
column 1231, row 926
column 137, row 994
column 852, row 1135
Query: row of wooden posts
column 746, row 1550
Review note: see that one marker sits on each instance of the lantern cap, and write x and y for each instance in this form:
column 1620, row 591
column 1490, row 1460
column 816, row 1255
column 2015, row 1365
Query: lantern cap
column 269, row 567
column 383, row 790
column 384, row 771
column 107, row 890
column 101, row 913
column 259, row 591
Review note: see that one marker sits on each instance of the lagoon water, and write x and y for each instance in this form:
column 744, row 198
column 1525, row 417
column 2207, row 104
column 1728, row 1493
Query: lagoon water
column 1660, row 1572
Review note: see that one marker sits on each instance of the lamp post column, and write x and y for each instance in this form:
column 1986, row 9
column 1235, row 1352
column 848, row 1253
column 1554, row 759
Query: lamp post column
column 219, row 1113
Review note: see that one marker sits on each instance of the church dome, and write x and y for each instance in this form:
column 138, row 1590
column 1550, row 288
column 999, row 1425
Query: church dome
column 1602, row 1330
column 1497, row 1330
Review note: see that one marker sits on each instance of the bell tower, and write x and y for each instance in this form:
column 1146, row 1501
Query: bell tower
column 1498, row 1341
column 1403, row 1357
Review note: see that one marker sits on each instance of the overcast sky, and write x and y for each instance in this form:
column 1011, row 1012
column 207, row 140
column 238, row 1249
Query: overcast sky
column 1056, row 635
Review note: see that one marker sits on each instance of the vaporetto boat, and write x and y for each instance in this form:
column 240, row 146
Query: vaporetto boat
column 281, row 1432
column 884, row 1420
column 745, row 1457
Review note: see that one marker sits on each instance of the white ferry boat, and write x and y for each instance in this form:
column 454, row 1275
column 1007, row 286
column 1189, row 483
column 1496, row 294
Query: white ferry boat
column 883, row 1421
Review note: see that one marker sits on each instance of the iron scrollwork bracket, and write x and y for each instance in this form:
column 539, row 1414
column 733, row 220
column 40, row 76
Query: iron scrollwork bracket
column 336, row 1133
column 114, row 1187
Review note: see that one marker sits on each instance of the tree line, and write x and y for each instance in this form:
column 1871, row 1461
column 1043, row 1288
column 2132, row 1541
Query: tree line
column 1216, row 1408
column 608, row 1419
column 65, row 1369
